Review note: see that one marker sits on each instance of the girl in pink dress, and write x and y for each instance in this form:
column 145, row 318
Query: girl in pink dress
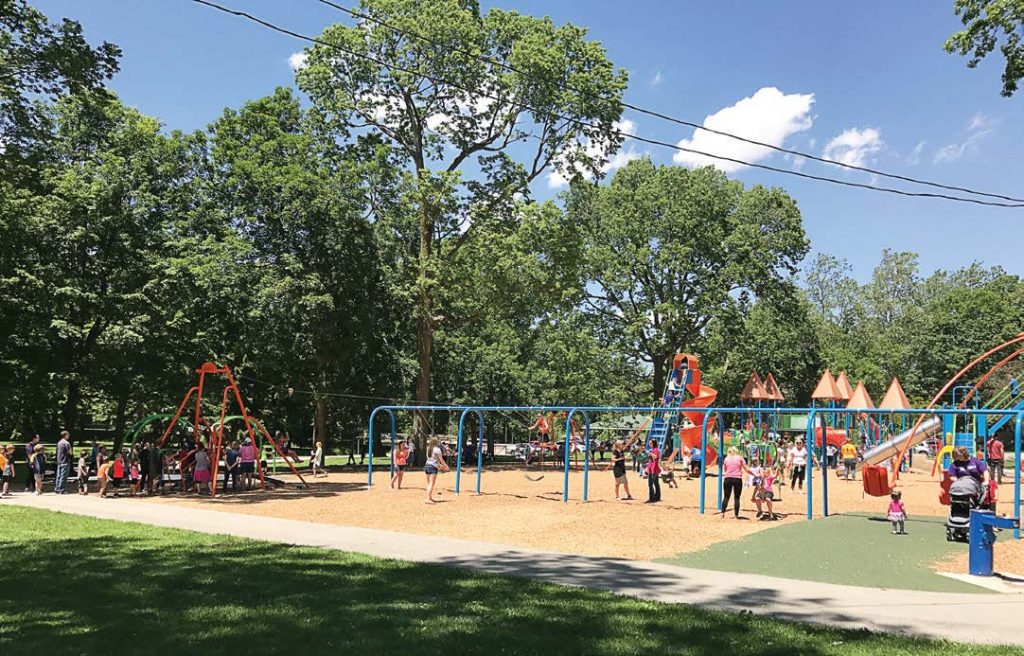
column 897, row 513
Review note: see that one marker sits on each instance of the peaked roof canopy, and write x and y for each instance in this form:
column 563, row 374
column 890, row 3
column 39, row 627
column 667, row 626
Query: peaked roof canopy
column 826, row 389
column 895, row 398
column 843, row 385
column 754, row 390
column 770, row 386
column 860, row 398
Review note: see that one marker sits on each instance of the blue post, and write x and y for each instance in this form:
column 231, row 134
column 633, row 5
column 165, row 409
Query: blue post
column 565, row 455
column 479, row 451
column 586, row 454
column 721, row 458
column 703, row 457
column 824, row 474
column 369, row 446
column 982, row 538
column 1016, row 475
column 458, row 452
column 812, row 419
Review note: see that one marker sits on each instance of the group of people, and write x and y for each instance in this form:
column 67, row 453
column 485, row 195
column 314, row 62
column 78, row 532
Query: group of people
column 143, row 468
column 404, row 455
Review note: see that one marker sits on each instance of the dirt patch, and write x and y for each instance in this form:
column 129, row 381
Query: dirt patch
column 516, row 511
column 1009, row 557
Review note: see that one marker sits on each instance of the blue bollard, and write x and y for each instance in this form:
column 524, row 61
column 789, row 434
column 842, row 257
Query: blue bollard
column 982, row 537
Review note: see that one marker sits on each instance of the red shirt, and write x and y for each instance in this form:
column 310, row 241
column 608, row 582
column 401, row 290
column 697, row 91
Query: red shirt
column 118, row 469
column 654, row 464
column 995, row 450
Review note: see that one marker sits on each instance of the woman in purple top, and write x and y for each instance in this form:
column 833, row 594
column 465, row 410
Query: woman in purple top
column 966, row 467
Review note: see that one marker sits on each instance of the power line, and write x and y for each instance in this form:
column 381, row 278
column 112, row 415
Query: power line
column 666, row 117
column 619, row 133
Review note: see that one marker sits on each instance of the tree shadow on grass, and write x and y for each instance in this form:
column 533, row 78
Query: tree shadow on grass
column 128, row 588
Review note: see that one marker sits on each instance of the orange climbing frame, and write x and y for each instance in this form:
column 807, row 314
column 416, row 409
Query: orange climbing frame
column 217, row 435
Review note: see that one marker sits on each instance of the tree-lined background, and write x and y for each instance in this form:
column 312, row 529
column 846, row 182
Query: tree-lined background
column 370, row 234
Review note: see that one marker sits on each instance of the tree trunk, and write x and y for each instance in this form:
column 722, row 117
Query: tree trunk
column 69, row 413
column 660, row 366
column 425, row 328
column 320, row 422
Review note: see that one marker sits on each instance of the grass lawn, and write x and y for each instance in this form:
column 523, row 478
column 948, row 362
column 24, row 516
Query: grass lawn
column 852, row 549
column 75, row 585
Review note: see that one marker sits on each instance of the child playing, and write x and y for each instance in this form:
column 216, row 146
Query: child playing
column 897, row 513
column 38, row 466
column 83, row 473
column 135, row 474
column 103, row 477
column 754, row 478
column 764, row 493
column 118, row 474
column 7, row 469
column 317, row 460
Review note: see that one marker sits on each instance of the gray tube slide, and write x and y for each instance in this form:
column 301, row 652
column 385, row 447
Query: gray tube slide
column 929, row 428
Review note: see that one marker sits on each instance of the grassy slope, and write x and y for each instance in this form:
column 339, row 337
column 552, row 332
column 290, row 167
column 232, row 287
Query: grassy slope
column 77, row 585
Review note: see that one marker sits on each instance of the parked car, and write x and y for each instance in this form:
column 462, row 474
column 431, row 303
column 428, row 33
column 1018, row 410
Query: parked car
column 924, row 449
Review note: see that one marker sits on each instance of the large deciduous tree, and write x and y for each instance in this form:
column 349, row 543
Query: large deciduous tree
column 40, row 61
column 991, row 23
column 667, row 249
column 470, row 108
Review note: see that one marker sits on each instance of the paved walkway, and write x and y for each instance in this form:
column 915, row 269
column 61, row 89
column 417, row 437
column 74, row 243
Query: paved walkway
column 982, row 618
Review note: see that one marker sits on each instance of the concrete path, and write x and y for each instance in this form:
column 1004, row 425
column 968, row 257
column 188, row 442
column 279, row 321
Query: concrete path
column 981, row 618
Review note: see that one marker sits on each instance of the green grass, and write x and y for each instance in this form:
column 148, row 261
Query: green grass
column 851, row 549
column 75, row 585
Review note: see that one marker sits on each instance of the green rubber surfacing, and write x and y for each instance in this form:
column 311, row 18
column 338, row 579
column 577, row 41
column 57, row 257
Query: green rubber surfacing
column 853, row 549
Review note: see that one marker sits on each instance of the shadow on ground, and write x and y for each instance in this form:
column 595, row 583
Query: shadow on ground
column 128, row 588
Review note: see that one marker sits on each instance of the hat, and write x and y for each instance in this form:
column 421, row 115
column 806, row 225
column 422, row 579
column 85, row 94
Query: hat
column 247, row 440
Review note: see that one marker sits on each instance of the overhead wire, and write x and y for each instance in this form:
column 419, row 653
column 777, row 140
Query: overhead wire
column 666, row 117
column 618, row 133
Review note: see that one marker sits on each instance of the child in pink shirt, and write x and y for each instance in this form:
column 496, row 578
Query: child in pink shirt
column 897, row 513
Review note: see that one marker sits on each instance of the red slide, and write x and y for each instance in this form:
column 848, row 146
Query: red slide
column 703, row 397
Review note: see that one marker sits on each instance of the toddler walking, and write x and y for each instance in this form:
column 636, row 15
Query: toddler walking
column 83, row 473
column 897, row 513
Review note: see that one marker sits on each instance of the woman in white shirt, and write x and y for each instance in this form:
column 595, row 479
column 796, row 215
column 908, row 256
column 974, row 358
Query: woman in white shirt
column 797, row 461
column 435, row 463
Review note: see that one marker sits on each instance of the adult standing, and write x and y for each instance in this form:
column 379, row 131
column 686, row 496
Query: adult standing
column 63, row 463
column 849, row 453
column 435, row 463
column 653, row 472
column 797, row 461
column 156, row 469
column 231, row 464
column 996, row 454
column 37, row 465
column 30, row 449
column 145, row 467
column 733, row 466
column 618, row 467
column 247, row 463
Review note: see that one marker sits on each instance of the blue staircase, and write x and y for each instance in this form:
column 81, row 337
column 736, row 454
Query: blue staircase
column 666, row 418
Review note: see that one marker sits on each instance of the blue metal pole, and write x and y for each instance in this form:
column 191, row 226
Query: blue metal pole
column 703, row 457
column 1016, row 475
column 810, row 452
column 369, row 467
column 458, row 456
column 565, row 456
column 824, row 477
column 479, row 450
column 586, row 455
column 721, row 458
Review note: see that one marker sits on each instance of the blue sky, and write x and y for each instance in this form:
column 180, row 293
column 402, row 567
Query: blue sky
column 864, row 81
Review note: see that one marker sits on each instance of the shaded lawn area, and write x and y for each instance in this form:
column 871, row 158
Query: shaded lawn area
column 852, row 549
column 77, row 585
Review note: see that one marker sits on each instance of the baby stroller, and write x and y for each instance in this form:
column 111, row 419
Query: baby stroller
column 964, row 496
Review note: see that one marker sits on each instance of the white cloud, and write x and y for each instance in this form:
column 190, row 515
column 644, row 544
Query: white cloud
column 854, row 147
column 657, row 79
column 297, row 60
column 978, row 127
column 915, row 155
column 769, row 116
column 980, row 122
column 623, row 156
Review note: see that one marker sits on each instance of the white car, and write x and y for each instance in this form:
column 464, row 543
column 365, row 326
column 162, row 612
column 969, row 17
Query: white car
column 924, row 449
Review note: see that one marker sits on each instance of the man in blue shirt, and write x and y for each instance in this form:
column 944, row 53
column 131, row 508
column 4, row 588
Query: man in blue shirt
column 696, row 457
column 63, row 463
